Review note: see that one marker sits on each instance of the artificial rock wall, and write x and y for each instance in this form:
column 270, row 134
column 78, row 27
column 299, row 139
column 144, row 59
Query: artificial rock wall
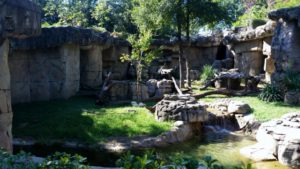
column 251, row 50
column 41, row 75
column 199, row 52
column 286, row 43
column 56, row 64
column 18, row 18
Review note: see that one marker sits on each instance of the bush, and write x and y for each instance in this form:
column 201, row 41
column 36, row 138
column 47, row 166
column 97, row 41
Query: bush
column 207, row 74
column 19, row 161
column 57, row 161
column 150, row 160
column 65, row 161
column 271, row 94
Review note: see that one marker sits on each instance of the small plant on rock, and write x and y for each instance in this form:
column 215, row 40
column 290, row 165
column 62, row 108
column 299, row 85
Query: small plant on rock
column 271, row 93
column 207, row 74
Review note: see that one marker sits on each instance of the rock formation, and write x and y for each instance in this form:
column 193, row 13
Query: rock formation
column 285, row 46
column 56, row 64
column 18, row 18
column 250, row 48
column 180, row 108
column 226, row 111
column 278, row 139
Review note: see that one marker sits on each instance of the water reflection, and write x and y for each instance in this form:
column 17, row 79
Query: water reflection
column 223, row 147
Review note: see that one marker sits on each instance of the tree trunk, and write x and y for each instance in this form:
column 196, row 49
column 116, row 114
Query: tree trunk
column 225, row 92
column 6, row 114
column 138, row 80
column 179, row 29
column 187, row 63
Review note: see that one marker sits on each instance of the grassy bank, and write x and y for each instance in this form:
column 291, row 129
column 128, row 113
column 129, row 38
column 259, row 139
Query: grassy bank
column 263, row 111
column 80, row 119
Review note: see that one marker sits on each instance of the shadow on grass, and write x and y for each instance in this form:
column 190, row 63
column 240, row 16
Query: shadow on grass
column 80, row 119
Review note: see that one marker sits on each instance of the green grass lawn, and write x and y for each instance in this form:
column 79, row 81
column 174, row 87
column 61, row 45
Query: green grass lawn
column 263, row 111
column 80, row 119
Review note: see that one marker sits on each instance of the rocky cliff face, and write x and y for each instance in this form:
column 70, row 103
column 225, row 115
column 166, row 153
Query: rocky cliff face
column 250, row 48
column 18, row 18
column 286, row 40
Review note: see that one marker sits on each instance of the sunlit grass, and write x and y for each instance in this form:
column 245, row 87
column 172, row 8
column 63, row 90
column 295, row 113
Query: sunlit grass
column 80, row 119
column 263, row 111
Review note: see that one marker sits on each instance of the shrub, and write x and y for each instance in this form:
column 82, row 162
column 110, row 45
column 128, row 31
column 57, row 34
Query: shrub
column 271, row 94
column 148, row 161
column 19, row 161
column 207, row 74
column 154, row 161
column 57, row 161
column 65, row 161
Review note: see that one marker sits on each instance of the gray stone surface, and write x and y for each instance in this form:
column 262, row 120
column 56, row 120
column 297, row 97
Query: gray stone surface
column 91, row 67
column 228, row 106
column 257, row 152
column 282, row 139
column 58, row 36
column 249, row 47
column 292, row 98
column 260, row 32
column 285, row 46
column 18, row 18
column 45, row 75
column 6, row 114
column 176, row 108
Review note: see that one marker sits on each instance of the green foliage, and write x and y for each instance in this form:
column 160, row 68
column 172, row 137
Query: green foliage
column 150, row 160
column 65, row 161
column 68, row 12
column 207, row 74
column 286, row 3
column 114, row 15
column 292, row 80
column 258, row 10
column 244, row 166
column 56, row 161
column 271, row 94
column 19, row 161
column 212, row 163
column 150, row 14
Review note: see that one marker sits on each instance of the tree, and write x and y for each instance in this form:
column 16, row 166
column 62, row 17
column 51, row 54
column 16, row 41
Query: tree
column 114, row 15
column 259, row 9
column 141, row 55
column 186, row 12
column 67, row 12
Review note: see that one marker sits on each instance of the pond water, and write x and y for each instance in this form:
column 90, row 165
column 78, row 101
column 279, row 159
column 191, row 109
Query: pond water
column 224, row 148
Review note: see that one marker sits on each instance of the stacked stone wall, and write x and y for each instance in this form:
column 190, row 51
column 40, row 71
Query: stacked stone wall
column 43, row 75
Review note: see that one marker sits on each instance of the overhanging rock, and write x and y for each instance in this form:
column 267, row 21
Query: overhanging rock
column 19, row 18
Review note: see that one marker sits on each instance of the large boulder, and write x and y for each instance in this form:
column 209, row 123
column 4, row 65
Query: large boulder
column 281, row 138
column 164, row 87
column 180, row 108
column 158, row 88
column 228, row 106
